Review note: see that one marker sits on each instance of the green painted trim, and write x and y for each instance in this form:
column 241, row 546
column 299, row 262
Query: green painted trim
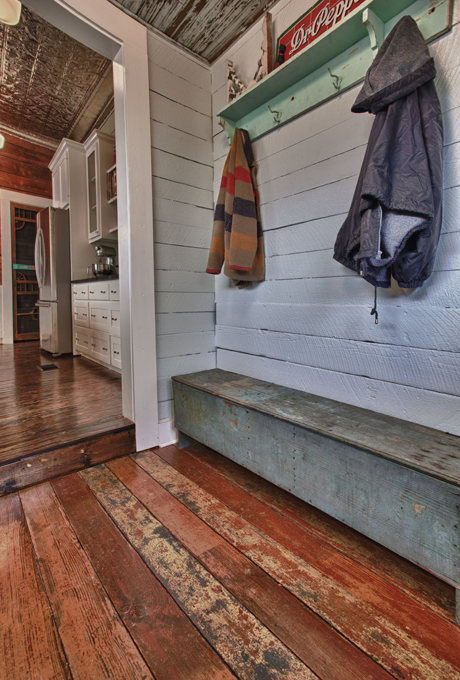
column 304, row 82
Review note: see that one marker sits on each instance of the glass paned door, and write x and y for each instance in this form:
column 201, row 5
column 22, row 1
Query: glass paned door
column 25, row 286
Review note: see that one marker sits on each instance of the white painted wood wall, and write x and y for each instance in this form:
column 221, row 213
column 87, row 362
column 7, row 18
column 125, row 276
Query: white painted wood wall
column 181, row 138
column 308, row 325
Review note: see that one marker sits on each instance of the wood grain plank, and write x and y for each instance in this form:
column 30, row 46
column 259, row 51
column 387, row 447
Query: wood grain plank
column 30, row 646
column 152, row 617
column 167, row 303
column 176, row 88
column 182, row 344
column 181, row 235
column 429, row 590
column 178, row 258
column 403, row 365
column 181, row 213
column 180, row 143
column 96, row 643
column 249, row 649
column 184, row 322
column 423, row 407
column 182, row 193
column 181, row 281
column 317, row 584
column 315, row 643
column 180, row 116
column 60, row 461
column 174, row 59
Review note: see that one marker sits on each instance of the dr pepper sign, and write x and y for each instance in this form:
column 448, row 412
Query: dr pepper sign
column 319, row 19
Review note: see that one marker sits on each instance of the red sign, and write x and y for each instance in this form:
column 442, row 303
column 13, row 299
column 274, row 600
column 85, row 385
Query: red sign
column 319, row 19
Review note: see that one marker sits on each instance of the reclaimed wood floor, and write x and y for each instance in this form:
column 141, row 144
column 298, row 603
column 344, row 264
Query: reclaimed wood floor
column 58, row 420
column 181, row 564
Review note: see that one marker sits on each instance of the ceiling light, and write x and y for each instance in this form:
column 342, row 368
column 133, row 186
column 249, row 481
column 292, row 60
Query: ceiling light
column 2, row 141
column 10, row 12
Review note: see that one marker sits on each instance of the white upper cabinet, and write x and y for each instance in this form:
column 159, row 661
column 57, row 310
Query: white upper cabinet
column 62, row 166
column 102, row 215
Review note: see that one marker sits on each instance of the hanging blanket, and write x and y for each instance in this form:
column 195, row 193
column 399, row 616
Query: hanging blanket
column 237, row 237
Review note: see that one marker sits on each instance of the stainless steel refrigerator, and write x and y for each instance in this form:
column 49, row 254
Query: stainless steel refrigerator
column 52, row 267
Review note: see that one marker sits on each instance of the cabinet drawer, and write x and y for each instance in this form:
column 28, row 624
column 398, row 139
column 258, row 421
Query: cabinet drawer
column 114, row 290
column 99, row 316
column 81, row 336
column 115, row 320
column 99, row 290
column 80, row 291
column 81, row 313
column 115, row 347
column 100, row 346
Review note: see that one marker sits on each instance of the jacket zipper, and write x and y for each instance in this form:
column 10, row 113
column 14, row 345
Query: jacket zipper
column 379, row 251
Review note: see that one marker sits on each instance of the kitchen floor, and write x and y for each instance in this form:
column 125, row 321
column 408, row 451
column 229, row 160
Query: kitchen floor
column 181, row 564
column 56, row 420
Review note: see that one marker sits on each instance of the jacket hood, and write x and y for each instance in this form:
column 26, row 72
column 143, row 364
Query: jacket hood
column 402, row 64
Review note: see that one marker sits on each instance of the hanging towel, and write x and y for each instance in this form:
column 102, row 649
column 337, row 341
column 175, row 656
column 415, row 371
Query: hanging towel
column 237, row 237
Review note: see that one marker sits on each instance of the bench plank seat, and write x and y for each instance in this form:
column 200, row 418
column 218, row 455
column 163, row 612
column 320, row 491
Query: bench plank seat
column 394, row 481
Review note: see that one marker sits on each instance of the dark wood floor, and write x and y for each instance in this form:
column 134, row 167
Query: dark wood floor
column 181, row 564
column 55, row 418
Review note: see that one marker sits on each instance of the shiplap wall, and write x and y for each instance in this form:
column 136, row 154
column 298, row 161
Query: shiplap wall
column 308, row 325
column 181, row 137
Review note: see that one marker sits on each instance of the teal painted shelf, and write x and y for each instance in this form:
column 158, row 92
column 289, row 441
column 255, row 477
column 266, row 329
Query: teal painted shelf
column 337, row 61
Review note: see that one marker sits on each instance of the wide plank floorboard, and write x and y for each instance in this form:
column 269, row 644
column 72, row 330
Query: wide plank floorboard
column 55, row 421
column 179, row 564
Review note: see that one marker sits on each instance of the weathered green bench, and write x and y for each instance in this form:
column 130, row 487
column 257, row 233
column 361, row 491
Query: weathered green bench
column 394, row 481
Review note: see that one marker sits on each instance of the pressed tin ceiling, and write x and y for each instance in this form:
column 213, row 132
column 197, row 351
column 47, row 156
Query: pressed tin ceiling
column 206, row 28
column 51, row 86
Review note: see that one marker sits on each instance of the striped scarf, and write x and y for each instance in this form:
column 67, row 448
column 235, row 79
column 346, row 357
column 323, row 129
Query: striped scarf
column 237, row 237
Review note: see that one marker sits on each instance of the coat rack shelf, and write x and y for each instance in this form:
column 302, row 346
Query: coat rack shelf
column 335, row 62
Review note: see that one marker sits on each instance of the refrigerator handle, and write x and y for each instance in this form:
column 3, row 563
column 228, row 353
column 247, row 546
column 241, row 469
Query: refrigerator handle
column 36, row 255
column 40, row 258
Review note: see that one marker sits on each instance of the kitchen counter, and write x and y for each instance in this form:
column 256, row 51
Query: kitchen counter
column 90, row 279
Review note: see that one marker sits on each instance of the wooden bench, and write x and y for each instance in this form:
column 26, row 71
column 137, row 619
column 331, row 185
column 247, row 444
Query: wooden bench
column 394, row 481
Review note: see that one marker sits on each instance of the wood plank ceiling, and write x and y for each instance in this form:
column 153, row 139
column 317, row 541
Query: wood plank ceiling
column 206, row 28
column 51, row 86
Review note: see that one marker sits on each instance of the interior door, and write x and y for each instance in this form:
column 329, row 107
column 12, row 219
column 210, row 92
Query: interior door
column 25, row 286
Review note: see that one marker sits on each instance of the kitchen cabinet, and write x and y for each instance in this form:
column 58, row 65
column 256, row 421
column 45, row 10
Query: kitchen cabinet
column 68, row 168
column 102, row 214
column 96, row 322
column 66, row 162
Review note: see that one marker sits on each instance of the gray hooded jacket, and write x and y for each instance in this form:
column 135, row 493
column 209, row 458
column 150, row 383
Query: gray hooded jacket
column 394, row 221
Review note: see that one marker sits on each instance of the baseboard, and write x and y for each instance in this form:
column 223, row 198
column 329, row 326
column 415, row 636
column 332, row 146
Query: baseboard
column 167, row 433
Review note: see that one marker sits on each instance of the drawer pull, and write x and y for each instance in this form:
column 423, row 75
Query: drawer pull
column 113, row 291
column 93, row 316
column 105, row 349
column 91, row 292
column 114, row 318
column 115, row 351
column 85, row 342
column 83, row 314
column 103, row 292
column 104, row 317
column 93, row 345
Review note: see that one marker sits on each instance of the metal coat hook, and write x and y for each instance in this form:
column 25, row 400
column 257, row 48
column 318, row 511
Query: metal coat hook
column 338, row 80
column 276, row 115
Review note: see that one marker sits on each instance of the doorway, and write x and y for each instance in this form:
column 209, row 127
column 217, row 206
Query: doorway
column 25, row 286
column 105, row 29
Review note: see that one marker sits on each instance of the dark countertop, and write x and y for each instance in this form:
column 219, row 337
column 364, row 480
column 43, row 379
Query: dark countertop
column 91, row 279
